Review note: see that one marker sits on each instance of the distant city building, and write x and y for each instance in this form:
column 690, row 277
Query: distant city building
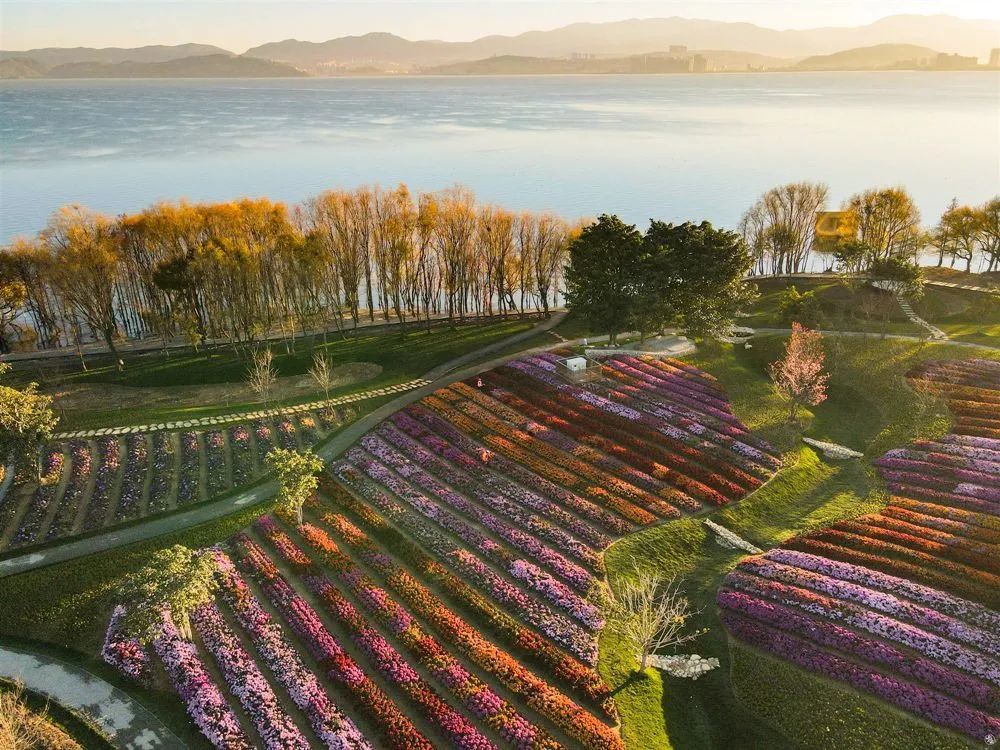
column 678, row 49
column 945, row 61
column 582, row 56
column 995, row 57
column 699, row 64
column 659, row 64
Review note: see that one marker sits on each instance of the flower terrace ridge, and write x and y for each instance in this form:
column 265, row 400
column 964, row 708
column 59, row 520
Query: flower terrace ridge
column 441, row 589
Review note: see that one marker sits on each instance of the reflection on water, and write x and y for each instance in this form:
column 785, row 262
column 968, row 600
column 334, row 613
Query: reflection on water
column 674, row 147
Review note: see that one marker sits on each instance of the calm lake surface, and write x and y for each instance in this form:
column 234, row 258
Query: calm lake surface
column 671, row 147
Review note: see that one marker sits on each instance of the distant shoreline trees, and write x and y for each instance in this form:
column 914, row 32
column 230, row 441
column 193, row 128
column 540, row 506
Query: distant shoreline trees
column 240, row 270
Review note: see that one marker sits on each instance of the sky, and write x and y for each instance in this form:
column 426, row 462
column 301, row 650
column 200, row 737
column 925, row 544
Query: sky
column 237, row 25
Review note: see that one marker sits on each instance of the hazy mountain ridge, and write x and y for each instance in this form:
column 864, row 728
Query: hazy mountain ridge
column 870, row 58
column 50, row 57
column 624, row 38
column 576, row 48
column 201, row 66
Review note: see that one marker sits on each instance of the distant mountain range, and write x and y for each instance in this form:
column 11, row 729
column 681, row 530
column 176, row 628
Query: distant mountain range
column 582, row 47
column 623, row 38
column 221, row 65
column 879, row 57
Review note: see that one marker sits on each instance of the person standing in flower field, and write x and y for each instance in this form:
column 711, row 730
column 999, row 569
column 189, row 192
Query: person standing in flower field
column 798, row 376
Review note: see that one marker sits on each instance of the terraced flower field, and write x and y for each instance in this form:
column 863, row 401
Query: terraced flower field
column 902, row 603
column 99, row 483
column 444, row 587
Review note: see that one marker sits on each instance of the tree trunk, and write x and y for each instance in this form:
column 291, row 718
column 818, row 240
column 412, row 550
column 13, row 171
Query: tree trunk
column 644, row 661
column 298, row 512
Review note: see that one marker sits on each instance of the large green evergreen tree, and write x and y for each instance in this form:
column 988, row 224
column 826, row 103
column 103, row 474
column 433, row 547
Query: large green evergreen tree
column 604, row 272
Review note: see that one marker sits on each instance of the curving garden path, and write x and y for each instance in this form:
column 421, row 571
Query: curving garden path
column 440, row 376
column 125, row 722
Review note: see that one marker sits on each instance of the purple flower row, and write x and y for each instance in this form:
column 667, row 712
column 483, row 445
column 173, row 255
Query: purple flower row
column 162, row 466
column 42, row 499
column 109, row 450
column 239, row 447
column 123, row 653
column 922, row 701
column 216, row 463
column 419, row 422
column 848, row 642
column 572, row 573
column 928, row 644
column 247, row 683
column 335, row 730
column 748, row 461
column 189, row 478
column 286, row 435
column 494, row 500
column 972, row 612
column 554, row 626
column 205, row 703
column 133, row 479
column 542, row 582
column 886, row 603
column 73, row 495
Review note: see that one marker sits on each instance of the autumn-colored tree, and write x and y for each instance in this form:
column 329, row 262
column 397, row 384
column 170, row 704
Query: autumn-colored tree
column 959, row 234
column 173, row 583
column 86, row 266
column 455, row 235
column 799, row 376
column 296, row 477
column 13, row 295
column 885, row 220
column 989, row 214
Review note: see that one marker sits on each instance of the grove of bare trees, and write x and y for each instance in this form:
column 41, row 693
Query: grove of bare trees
column 240, row 270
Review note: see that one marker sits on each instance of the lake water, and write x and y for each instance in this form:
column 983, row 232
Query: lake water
column 671, row 147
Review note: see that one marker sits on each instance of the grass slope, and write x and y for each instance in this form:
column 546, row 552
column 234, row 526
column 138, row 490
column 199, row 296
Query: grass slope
column 401, row 357
column 870, row 408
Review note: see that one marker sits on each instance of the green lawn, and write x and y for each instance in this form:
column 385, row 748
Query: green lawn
column 401, row 357
column 870, row 408
column 973, row 317
column 840, row 308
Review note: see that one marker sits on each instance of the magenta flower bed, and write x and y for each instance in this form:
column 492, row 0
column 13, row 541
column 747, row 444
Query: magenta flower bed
column 334, row 729
column 206, row 705
column 109, row 451
column 899, row 603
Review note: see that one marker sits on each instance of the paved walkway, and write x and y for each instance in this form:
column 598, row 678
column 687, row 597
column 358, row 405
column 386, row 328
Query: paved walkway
column 158, row 526
column 835, row 276
column 125, row 722
column 964, row 287
column 245, row 415
column 896, row 336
